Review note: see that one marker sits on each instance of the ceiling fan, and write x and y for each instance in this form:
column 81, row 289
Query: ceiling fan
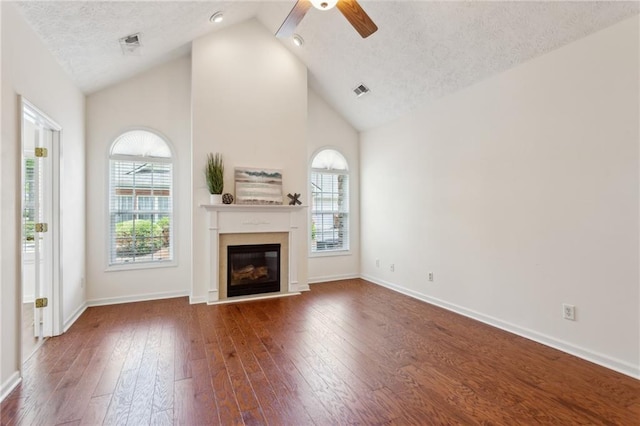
column 349, row 8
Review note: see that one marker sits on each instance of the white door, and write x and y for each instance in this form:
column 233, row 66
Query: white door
column 40, row 137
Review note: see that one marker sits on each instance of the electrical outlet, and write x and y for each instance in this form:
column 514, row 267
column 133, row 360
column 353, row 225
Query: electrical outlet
column 377, row 263
column 568, row 312
column 430, row 276
column 392, row 267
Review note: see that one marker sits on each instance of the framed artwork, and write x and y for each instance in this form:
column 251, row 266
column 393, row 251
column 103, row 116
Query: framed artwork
column 258, row 186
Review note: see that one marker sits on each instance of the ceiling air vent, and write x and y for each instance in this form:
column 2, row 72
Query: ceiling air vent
column 131, row 45
column 361, row 90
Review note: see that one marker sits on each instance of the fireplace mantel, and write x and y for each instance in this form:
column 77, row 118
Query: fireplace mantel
column 245, row 219
column 250, row 207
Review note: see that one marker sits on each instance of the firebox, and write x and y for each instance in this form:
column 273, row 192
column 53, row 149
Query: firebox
column 253, row 269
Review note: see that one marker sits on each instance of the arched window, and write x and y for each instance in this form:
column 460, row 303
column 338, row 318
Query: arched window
column 140, row 199
column 329, row 202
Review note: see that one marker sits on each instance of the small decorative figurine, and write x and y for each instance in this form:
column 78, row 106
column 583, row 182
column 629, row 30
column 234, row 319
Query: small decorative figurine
column 294, row 199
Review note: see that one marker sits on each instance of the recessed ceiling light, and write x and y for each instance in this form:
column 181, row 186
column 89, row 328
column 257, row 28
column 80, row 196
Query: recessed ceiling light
column 217, row 17
column 298, row 40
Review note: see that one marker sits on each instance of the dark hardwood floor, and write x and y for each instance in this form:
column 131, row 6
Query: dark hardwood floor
column 348, row 352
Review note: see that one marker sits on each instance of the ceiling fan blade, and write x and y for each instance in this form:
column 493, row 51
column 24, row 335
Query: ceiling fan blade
column 356, row 15
column 293, row 19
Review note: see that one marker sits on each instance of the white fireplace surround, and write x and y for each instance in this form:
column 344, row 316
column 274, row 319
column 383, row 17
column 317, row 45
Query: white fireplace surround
column 245, row 219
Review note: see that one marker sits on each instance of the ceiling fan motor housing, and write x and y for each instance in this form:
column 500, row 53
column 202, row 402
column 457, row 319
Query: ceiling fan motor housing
column 350, row 9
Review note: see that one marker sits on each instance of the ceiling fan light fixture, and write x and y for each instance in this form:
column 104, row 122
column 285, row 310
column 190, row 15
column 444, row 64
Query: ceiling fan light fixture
column 217, row 17
column 298, row 40
column 323, row 4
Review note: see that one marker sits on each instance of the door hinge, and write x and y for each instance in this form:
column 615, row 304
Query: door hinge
column 41, row 152
column 42, row 302
column 41, row 227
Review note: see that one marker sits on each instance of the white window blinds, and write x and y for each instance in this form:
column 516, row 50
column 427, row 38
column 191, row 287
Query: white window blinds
column 140, row 199
column 329, row 202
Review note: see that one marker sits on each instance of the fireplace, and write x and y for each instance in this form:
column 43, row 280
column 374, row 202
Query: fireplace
column 236, row 224
column 253, row 269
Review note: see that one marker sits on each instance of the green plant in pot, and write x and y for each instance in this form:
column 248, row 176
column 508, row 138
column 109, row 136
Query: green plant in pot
column 214, row 173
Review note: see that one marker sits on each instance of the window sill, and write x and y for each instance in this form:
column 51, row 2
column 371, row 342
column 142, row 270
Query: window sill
column 141, row 265
column 330, row 253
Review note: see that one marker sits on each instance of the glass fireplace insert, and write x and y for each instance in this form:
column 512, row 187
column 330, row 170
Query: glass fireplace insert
column 253, row 269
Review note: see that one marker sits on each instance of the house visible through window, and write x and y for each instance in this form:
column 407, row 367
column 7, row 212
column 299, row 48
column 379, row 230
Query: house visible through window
column 140, row 199
column 329, row 202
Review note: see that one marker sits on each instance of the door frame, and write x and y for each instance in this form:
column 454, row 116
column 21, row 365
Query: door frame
column 54, row 293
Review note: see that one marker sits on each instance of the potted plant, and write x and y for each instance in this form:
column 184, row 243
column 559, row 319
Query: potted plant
column 214, row 173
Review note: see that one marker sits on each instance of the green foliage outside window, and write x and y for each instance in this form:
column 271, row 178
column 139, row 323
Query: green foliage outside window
column 138, row 238
column 29, row 230
column 163, row 223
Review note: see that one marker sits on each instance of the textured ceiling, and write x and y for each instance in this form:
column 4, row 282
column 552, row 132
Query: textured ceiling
column 422, row 51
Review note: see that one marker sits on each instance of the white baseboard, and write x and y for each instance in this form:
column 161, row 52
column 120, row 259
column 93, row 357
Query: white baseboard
column 328, row 278
column 195, row 300
column 586, row 354
column 136, row 298
column 10, row 385
column 74, row 317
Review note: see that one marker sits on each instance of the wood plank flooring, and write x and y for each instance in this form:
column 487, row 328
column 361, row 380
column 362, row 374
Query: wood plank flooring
column 347, row 352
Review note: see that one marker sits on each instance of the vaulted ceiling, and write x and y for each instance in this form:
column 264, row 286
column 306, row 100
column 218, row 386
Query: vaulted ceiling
column 422, row 51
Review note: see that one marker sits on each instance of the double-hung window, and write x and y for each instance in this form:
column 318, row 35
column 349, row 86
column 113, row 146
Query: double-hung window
column 329, row 202
column 140, row 200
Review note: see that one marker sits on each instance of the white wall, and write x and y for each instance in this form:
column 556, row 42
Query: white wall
column 520, row 193
column 327, row 129
column 249, row 97
column 160, row 100
column 30, row 70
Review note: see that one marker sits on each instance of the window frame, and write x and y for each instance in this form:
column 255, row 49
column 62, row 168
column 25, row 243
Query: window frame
column 347, row 172
column 172, row 160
